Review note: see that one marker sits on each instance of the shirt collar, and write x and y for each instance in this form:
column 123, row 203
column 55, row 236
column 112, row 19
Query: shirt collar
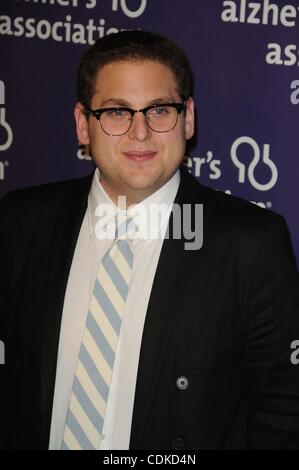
column 150, row 215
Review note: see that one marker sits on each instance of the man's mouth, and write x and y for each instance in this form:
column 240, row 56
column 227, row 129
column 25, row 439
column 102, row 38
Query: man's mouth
column 140, row 157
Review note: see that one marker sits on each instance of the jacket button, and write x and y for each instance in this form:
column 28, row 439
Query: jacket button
column 182, row 383
column 178, row 443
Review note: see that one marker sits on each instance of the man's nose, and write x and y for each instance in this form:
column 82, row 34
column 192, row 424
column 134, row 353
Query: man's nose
column 139, row 129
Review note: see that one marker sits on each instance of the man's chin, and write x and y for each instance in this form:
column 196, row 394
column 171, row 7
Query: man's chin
column 146, row 185
column 136, row 191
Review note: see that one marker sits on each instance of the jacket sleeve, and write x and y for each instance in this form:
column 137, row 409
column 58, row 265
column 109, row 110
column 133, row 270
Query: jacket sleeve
column 3, row 375
column 9, row 232
column 272, row 374
column 4, row 230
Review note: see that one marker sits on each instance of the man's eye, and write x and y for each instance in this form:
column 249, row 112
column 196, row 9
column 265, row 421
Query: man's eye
column 158, row 111
column 116, row 113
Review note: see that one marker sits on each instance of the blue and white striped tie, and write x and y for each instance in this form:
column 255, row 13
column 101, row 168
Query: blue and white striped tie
column 86, row 413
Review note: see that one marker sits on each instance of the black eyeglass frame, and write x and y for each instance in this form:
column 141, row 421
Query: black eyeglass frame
column 97, row 113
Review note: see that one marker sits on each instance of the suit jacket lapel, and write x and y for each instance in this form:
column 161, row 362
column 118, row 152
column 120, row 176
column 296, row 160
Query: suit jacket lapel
column 65, row 236
column 160, row 317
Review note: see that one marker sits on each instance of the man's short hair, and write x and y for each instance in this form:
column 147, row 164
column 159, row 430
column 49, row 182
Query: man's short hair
column 134, row 45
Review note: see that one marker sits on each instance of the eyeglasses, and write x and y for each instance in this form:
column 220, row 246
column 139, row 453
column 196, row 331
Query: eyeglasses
column 118, row 120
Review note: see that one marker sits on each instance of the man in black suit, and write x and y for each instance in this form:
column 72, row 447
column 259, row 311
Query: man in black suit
column 204, row 350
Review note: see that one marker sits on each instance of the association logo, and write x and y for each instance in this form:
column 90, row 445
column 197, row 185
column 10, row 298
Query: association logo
column 295, row 93
column 6, row 131
column 210, row 166
column 259, row 156
column 126, row 10
column 83, row 152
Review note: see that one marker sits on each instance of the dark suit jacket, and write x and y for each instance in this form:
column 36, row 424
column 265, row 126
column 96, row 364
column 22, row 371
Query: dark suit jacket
column 222, row 317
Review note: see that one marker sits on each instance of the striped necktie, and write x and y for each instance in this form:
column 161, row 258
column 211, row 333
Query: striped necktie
column 86, row 413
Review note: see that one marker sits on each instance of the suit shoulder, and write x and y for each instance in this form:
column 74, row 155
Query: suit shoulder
column 232, row 211
column 35, row 196
column 245, row 213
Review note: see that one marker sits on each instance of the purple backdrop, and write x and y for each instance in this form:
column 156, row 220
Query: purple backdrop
column 245, row 57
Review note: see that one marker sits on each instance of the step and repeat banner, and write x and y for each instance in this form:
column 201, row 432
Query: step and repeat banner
column 245, row 57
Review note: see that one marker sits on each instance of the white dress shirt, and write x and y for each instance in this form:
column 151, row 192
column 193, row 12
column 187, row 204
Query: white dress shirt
column 88, row 253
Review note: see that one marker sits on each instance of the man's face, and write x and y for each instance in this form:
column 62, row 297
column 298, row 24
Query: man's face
column 138, row 163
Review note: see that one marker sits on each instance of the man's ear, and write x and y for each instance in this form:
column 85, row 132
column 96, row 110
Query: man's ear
column 81, row 124
column 189, row 119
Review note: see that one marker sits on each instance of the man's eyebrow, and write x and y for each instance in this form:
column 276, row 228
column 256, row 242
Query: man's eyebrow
column 124, row 103
column 163, row 99
column 116, row 102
